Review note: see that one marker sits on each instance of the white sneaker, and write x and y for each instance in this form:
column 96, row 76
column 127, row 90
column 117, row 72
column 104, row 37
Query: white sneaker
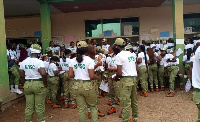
column 12, row 90
column 18, row 91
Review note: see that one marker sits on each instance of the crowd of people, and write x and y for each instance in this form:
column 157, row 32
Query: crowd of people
column 75, row 74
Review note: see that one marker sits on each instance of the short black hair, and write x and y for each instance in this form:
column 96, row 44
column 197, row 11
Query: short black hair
column 67, row 51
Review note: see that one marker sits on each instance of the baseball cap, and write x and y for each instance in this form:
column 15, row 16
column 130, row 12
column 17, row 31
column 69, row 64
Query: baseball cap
column 98, row 48
column 119, row 41
column 81, row 44
column 104, row 40
column 35, row 48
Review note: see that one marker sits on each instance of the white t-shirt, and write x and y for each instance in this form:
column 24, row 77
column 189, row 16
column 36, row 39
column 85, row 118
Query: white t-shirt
column 168, row 56
column 81, row 69
column 185, row 59
column 73, row 49
column 188, row 46
column 112, row 62
column 46, row 64
column 53, row 49
column 141, row 55
column 108, row 60
column 127, row 60
column 64, row 65
column 12, row 54
column 105, row 47
column 195, row 70
column 101, row 68
column 31, row 66
column 52, row 68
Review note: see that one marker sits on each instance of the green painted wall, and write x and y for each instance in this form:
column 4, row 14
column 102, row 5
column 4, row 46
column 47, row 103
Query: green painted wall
column 4, row 80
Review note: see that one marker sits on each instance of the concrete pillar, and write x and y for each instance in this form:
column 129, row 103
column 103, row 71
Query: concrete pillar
column 178, row 28
column 4, row 80
column 45, row 24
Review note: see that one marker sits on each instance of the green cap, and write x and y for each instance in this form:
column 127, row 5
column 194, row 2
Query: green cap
column 128, row 47
column 163, row 49
column 81, row 44
column 104, row 40
column 170, row 51
column 98, row 48
column 56, row 56
column 36, row 47
column 119, row 41
column 48, row 49
column 22, row 45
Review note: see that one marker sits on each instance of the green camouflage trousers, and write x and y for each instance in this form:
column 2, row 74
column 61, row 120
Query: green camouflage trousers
column 143, row 78
column 161, row 71
column 85, row 94
column 128, row 97
column 153, row 78
column 53, row 88
column 196, row 99
column 35, row 93
column 14, row 76
column 172, row 72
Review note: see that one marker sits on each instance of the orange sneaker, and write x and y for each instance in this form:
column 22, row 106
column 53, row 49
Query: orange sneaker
column 162, row 89
column 21, row 87
column 132, row 120
column 62, row 98
column 157, row 89
column 66, row 105
column 100, row 95
column 89, row 115
column 103, row 94
column 181, row 87
column 120, row 115
column 74, row 106
column 48, row 101
column 69, row 100
column 100, row 114
column 56, row 106
column 151, row 89
column 170, row 95
column 117, row 102
column 145, row 94
column 111, row 111
column 109, row 103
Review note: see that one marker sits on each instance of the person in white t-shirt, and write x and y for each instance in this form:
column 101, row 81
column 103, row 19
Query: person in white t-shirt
column 13, row 69
column 196, row 79
column 34, row 78
column 105, row 45
column 142, row 61
column 82, row 70
column 127, row 72
column 114, row 87
column 72, row 47
column 171, row 71
column 53, row 80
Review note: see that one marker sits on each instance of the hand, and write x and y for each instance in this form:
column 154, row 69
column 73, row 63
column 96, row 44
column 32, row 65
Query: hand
column 188, row 76
column 100, row 57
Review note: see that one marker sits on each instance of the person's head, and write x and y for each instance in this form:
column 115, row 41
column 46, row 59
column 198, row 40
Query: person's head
column 91, row 51
column 54, row 59
column 51, row 44
column 143, row 42
column 82, row 49
column 68, row 53
column 189, row 53
column 104, row 41
column 188, row 41
column 151, row 55
column 89, row 41
column 62, row 54
column 14, row 46
column 141, row 48
column 120, row 44
column 35, row 50
column 62, row 47
column 163, row 51
column 98, row 49
column 94, row 42
column 72, row 44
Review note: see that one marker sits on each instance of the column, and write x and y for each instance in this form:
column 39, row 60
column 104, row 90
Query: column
column 4, row 80
column 45, row 24
column 178, row 28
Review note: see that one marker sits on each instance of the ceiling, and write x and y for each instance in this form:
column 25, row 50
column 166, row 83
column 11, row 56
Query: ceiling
column 15, row 8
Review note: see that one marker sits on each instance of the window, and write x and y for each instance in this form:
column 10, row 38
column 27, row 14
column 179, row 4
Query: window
column 192, row 20
column 130, row 26
column 93, row 28
column 111, row 27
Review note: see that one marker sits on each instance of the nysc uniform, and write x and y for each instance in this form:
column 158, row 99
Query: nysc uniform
column 84, row 89
column 128, row 83
column 34, row 89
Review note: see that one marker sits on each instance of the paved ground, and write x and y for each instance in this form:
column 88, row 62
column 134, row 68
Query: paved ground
column 154, row 108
